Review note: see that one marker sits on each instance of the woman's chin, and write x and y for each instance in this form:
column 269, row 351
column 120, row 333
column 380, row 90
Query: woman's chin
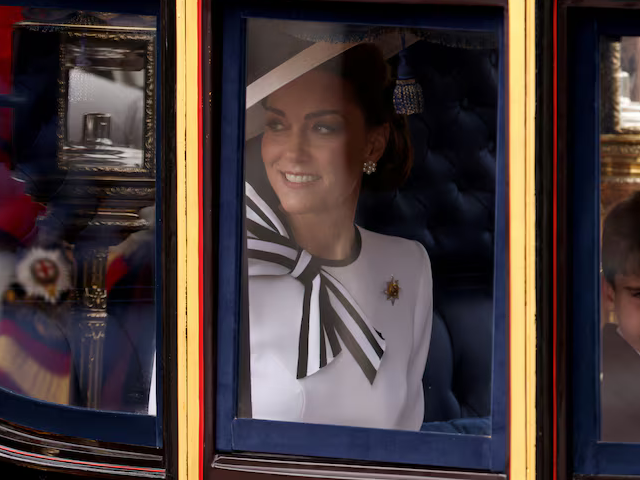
column 297, row 205
column 297, row 201
column 297, row 208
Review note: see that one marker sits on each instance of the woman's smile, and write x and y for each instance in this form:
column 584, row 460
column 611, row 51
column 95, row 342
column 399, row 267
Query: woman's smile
column 300, row 178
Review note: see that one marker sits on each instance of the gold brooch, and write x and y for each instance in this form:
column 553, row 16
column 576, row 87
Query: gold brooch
column 393, row 290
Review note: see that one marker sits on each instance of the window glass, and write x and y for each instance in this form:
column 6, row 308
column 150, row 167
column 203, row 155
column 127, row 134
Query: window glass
column 77, row 207
column 620, row 240
column 370, row 192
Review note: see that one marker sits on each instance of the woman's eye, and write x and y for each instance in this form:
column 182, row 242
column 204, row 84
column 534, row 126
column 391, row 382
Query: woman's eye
column 274, row 126
column 325, row 129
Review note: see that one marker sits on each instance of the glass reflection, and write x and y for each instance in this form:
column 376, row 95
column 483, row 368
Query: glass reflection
column 629, row 82
column 620, row 244
column 351, row 134
column 77, row 214
column 105, row 102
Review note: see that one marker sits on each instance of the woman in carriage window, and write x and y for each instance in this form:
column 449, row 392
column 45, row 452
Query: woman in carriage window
column 339, row 317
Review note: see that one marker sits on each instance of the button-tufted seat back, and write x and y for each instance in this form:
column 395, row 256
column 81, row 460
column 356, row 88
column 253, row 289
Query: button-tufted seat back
column 448, row 205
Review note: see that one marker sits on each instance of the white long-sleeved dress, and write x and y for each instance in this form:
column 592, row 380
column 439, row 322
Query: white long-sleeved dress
column 340, row 393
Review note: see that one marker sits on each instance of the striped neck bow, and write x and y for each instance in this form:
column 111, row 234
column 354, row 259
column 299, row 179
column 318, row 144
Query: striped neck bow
column 331, row 318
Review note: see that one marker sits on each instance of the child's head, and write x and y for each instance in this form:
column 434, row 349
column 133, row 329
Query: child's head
column 621, row 266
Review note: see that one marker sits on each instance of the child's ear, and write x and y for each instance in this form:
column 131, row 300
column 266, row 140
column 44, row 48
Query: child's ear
column 608, row 294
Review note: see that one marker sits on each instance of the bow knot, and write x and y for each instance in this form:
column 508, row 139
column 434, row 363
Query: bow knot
column 331, row 318
column 306, row 268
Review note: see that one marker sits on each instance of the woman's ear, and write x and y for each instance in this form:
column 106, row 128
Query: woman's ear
column 377, row 139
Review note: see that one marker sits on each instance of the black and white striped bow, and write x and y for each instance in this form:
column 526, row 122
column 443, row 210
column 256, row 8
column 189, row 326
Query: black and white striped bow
column 331, row 318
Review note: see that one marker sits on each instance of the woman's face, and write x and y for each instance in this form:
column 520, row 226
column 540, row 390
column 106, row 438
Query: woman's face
column 315, row 144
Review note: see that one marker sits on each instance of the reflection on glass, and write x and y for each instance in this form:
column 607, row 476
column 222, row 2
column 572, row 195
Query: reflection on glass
column 620, row 255
column 340, row 290
column 629, row 82
column 77, row 246
column 105, row 102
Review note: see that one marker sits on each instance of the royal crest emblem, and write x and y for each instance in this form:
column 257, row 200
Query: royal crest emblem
column 44, row 274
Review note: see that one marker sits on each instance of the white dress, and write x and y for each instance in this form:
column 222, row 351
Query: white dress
column 340, row 393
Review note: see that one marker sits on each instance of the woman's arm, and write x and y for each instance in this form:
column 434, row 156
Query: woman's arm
column 413, row 414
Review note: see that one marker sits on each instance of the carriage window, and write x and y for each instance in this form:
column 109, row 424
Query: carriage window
column 620, row 240
column 352, row 157
column 362, row 209
column 77, row 209
column 372, row 169
column 603, row 208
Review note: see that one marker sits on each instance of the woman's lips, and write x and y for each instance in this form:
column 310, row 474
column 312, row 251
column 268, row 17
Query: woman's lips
column 300, row 178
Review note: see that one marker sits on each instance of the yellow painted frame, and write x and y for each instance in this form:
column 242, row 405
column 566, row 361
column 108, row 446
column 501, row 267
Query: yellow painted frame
column 522, row 306
column 522, row 238
column 188, row 238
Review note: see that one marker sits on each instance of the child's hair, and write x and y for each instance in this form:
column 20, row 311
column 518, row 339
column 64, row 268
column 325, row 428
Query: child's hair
column 621, row 239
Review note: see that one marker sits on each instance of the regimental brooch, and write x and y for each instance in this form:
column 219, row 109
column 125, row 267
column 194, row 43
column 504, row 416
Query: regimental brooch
column 393, row 290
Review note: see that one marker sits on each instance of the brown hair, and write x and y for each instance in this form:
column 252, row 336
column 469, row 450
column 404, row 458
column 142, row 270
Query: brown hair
column 363, row 67
column 621, row 239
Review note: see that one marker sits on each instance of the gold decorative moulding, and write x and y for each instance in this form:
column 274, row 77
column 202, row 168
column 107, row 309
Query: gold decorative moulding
column 619, row 168
column 620, row 157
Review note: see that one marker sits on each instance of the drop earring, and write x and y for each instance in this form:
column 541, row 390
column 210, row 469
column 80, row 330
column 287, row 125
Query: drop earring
column 369, row 167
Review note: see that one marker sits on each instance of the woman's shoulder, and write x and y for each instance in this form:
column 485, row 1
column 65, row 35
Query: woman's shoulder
column 396, row 247
column 405, row 259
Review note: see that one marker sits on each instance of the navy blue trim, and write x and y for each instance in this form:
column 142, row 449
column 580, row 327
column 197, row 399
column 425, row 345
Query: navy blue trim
column 373, row 445
column 583, row 204
column 499, row 407
column 590, row 455
column 78, row 422
column 420, row 448
column 230, row 243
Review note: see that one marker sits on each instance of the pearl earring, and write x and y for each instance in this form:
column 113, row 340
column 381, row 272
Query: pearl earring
column 369, row 167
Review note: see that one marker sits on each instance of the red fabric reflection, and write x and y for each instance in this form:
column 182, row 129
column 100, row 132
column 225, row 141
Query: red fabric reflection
column 8, row 16
column 17, row 210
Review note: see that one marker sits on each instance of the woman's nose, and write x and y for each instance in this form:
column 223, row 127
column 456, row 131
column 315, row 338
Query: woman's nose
column 296, row 147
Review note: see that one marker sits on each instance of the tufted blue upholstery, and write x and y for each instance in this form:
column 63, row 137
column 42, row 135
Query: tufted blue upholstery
column 448, row 205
